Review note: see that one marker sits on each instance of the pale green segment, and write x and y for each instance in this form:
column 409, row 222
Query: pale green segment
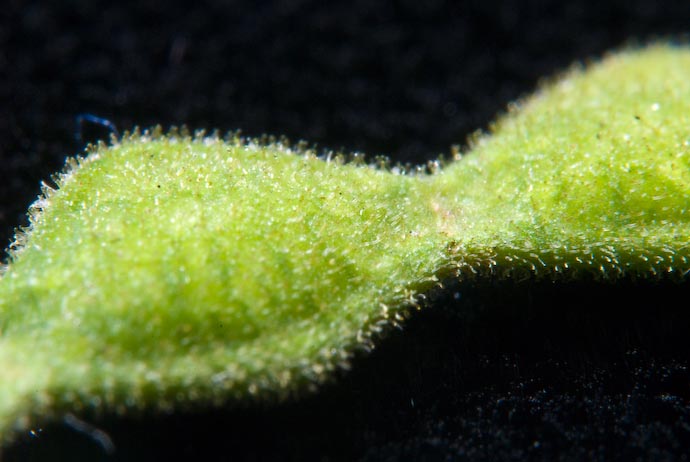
column 591, row 172
column 168, row 271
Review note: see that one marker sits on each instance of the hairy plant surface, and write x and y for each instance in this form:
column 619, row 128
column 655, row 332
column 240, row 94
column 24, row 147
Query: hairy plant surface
column 168, row 270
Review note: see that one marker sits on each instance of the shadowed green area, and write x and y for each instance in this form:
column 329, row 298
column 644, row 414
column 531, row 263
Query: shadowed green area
column 170, row 270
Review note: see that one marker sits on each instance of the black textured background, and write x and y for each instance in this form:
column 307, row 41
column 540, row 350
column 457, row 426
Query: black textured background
column 530, row 371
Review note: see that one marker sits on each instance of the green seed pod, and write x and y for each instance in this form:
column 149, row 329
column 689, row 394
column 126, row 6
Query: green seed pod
column 169, row 270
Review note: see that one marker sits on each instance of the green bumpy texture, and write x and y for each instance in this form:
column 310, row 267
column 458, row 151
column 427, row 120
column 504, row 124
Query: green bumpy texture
column 170, row 271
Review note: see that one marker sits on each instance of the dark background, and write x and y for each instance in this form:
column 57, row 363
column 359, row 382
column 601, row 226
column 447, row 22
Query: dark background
column 528, row 371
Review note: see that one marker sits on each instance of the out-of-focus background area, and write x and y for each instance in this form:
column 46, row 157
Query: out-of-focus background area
column 528, row 371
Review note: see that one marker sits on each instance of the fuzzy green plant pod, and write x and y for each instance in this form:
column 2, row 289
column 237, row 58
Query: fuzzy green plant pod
column 169, row 271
